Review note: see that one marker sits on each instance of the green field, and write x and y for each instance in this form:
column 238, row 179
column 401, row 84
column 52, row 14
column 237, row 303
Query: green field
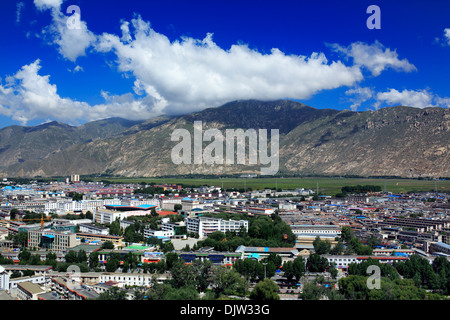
column 328, row 186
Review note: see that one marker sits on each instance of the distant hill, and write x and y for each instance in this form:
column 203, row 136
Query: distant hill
column 395, row 141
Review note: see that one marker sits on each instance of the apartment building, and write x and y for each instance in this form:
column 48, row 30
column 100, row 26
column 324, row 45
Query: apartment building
column 52, row 240
column 342, row 262
column 204, row 226
column 71, row 290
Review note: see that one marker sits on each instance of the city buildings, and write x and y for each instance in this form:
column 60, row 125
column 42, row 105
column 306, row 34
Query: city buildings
column 203, row 226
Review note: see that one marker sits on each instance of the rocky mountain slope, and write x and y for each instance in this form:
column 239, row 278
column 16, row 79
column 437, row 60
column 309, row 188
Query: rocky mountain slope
column 395, row 141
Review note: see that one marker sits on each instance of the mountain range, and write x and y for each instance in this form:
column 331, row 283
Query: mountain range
column 394, row 141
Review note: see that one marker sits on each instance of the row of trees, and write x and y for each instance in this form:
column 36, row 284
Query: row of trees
column 360, row 189
column 188, row 281
column 405, row 280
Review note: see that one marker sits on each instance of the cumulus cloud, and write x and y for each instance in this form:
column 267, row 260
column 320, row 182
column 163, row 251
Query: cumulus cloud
column 191, row 74
column 358, row 95
column 447, row 35
column 27, row 95
column 47, row 4
column 68, row 32
column 188, row 75
column 413, row 98
column 375, row 57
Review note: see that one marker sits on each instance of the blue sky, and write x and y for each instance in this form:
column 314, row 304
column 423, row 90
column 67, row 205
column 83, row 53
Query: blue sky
column 140, row 59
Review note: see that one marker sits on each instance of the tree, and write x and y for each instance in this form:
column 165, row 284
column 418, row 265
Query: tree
column 71, row 257
column 114, row 228
column 273, row 258
column 93, row 259
column 266, row 289
column 321, row 246
column 81, row 256
column 346, row 233
column 112, row 264
column 113, row 293
column 89, row 215
column 13, row 213
column 298, row 267
column 171, row 259
column 333, row 271
column 312, row 291
column 177, row 207
column 21, row 239
column 167, row 247
column 373, row 241
column 317, row 263
column 224, row 280
column 108, row 245
column 337, row 249
column 24, row 256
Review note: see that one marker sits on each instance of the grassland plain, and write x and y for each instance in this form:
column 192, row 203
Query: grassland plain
column 328, row 186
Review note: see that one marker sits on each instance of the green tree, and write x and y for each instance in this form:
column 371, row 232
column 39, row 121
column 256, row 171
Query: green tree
column 71, row 257
column 93, row 259
column 13, row 213
column 113, row 293
column 171, row 259
column 224, row 280
column 107, row 245
column 312, row 291
column 337, row 249
column 168, row 247
column 266, row 289
column 346, row 233
column 317, row 263
column 114, row 228
column 112, row 264
column 321, row 246
column 21, row 239
column 24, row 256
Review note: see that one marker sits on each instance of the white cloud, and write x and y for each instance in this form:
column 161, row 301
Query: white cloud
column 72, row 41
column 19, row 9
column 28, row 95
column 191, row 74
column 358, row 96
column 375, row 57
column 447, row 35
column 47, row 4
column 413, row 98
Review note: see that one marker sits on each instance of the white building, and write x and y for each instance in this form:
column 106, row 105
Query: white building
column 93, row 229
column 316, row 230
column 204, row 226
column 262, row 211
column 62, row 207
column 149, row 233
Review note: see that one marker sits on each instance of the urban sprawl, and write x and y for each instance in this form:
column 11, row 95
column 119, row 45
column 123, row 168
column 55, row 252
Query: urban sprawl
column 75, row 240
